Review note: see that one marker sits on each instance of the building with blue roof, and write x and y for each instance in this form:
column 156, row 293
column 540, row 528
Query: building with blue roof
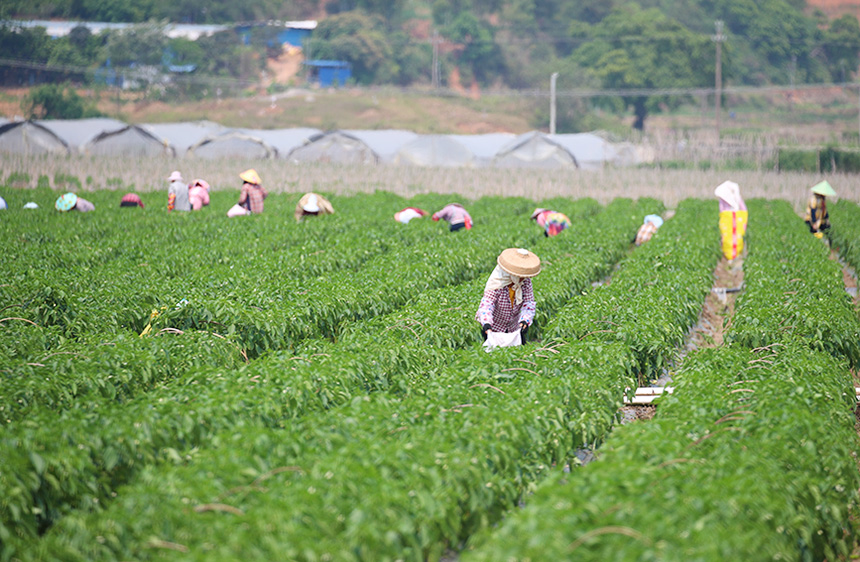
column 329, row 73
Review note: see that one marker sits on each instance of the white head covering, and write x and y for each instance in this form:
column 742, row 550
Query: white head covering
column 2, row 203
column 407, row 215
column 500, row 279
column 730, row 192
column 312, row 206
column 656, row 219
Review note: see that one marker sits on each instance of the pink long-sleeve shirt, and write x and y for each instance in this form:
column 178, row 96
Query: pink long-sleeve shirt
column 454, row 214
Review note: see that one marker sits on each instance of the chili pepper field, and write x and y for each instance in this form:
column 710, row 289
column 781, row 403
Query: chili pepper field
column 318, row 390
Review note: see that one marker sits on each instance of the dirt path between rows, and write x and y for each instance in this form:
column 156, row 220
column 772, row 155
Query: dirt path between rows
column 849, row 279
column 714, row 320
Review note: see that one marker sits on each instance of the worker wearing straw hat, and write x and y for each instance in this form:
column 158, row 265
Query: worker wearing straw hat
column 508, row 304
column 551, row 221
column 71, row 202
column 733, row 218
column 253, row 193
column 312, row 204
column 177, row 193
column 816, row 209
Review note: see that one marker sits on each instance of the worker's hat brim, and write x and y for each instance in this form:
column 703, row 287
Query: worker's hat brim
column 824, row 188
column 519, row 262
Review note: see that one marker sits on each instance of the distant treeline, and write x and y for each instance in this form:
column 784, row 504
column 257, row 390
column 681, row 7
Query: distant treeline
column 614, row 44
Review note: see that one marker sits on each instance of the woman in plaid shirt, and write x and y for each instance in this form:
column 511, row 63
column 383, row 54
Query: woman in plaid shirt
column 252, row 194
column 508, row 303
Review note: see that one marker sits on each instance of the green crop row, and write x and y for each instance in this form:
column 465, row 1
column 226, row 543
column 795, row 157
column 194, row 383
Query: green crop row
column 749, row 459
column 594, row 409
column 365, row 292
column 380, row 478
column 844, row 233
column 59, row 463
column 796, row 289
column 109, row 268
column 656, row 296
column 753, row 457
column 584, row 254
column 593, row 414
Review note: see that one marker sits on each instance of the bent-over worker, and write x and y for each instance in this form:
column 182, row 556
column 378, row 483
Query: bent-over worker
column 733, row 218
column 312, row 204
column 817, row 218
column 648, row 228
column 508, row 303
column 198, row 194
column 408, row 214
column 131, row 200
column 551, row 221
column 71, row 202
column 456, row 215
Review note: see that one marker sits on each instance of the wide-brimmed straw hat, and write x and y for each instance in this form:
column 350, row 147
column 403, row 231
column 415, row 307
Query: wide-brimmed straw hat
column 251, row 176
column 537, row 212
column 66, row 201
column 312, row 206
column 175, row 176
column 519, row 262
column 824, row 189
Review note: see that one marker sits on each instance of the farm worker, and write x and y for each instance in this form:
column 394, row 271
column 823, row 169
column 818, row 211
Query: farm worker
column 508, row 304
column 312, row 204
column 816, row 209
column 3, row 205
column 456, row 216
column 252, row 194
column 408, row 214
column 177, row 193
column 131, row 200
column 71, row 202
column 31, row 205
column 733, row 218
column 552, row 222
column 648, row 228
column 198, row 194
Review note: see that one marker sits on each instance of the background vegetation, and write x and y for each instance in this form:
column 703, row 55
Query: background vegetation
column 483, row 44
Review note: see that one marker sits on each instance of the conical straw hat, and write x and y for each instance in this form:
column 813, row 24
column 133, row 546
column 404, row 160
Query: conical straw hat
column 824, row 189
column 519, row 262
column 251, row 176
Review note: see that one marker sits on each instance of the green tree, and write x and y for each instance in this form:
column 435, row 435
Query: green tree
column 55, row 101
column 634, row 48
column 476, row 48
column 360, row 39
column 842, row 45
column 141, row 44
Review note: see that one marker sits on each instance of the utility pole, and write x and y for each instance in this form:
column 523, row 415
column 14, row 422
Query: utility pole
column 552, row 79
column 718, row 78
column 434, row 79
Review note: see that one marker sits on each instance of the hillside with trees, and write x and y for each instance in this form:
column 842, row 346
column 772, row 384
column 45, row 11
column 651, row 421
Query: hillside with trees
column 614, row 45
